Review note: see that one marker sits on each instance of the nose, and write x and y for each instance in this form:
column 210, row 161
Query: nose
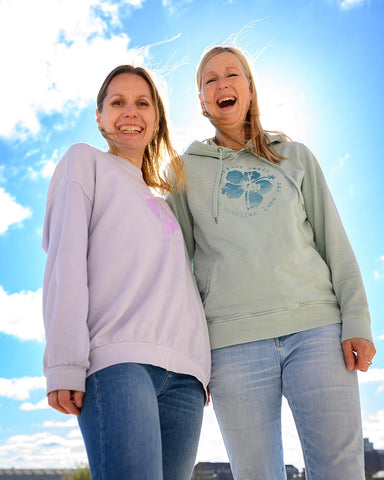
column 130, row 110
column 222, row 83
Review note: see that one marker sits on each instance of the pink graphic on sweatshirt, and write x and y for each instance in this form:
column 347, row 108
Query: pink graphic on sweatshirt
column 166, row 222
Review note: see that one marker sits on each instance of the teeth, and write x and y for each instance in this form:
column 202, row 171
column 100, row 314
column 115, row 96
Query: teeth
column 225, row 101
column 130, row 129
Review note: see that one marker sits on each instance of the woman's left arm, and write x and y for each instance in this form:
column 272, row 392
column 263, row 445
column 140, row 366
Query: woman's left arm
column 334, row 246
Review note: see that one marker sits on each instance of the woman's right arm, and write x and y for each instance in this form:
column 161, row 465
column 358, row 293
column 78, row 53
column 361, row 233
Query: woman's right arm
column 65, row 290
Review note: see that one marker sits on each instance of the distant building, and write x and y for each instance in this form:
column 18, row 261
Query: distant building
column 374, row 468
column 212, row 471
column 374, row 459
column 292, row 472
column 222, row 471
column 35, row 474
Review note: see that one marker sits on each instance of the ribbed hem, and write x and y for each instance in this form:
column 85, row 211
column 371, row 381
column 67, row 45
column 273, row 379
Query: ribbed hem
column 356, row 326
column 148, row 353
column 251, row 328
column 65, row 378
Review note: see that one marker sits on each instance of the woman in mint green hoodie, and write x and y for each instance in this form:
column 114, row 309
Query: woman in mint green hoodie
column 282, row 291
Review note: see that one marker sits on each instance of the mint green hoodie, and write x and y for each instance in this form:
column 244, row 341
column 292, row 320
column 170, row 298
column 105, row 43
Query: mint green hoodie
column 270, row 254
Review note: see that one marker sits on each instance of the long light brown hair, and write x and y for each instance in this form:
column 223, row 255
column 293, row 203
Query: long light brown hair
column 252, row 124
column 160, row 147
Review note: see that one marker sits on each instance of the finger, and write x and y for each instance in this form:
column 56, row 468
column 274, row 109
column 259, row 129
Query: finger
column 78, row 398
column 365, row 351
column 362, row 361
column 65, row 399
column 371, row 351
column 54, row 402
column 349, row 356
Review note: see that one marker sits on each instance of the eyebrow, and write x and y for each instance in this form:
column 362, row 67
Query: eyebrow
column 227, row 68
column 143, row 95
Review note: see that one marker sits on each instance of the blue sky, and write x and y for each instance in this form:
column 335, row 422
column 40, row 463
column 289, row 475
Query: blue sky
column 319, row 70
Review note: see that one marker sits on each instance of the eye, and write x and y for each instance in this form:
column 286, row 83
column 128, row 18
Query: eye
column 117, row 103
column 210, row 80
column 143, row 103
column 232, row 75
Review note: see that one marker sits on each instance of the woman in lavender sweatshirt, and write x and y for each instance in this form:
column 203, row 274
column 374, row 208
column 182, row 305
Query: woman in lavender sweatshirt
column 127, row 348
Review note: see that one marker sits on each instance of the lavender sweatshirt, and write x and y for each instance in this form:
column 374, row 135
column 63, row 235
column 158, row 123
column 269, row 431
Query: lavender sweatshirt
column 118, row 285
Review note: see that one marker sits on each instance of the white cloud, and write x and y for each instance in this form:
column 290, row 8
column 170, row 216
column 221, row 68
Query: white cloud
column 292, row 449
column 373, row 375
column 68, row 424
column 30, row 407
column 373, row 428
column 351, row 191
column 44, row 169
column 20, row 388
column 211, row 445
column 212, row 449
column 21, row 314
column 348, row 4
column 176, row 6
column 64, row 62
column 43, row 450
column 341, row 161
column 11, row 212
column 379, row 275
column 49, row 166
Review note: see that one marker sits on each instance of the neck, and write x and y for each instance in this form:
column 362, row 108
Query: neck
column 235, row 142
column 136, row 161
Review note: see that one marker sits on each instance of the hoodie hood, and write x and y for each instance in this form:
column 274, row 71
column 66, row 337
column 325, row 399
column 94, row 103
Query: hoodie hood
column 208, row 148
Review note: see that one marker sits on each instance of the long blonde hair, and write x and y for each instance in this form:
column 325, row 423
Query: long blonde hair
column 252, row 124
column 160, row 147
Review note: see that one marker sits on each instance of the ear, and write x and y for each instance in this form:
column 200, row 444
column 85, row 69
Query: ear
column 202, row 105
column 98, row 119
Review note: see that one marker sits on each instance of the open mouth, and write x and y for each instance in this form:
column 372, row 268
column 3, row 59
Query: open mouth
column 226, row 102
column 130, row 129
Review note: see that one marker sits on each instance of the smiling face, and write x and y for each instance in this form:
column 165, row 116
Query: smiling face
column 225, row 93
column 128, row 116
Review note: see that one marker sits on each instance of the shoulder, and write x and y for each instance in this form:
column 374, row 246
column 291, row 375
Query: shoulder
column 80, row 158
column 78, row 164
column 295, row 153
column 200, row 149
column 83, row 151
column 292, row 148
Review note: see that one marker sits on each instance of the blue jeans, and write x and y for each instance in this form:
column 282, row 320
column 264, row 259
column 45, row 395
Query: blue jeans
column 141, row 422
column 308, row 368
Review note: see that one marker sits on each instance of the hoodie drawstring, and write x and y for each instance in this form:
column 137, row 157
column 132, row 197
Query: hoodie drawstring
column 215, row 196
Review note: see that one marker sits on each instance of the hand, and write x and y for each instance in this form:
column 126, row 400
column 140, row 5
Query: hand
column 358, row 353
column 66, row 401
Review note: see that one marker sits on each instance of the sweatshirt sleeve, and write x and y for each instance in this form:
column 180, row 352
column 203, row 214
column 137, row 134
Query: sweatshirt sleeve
column 179, row 203
column 333, row 245
column 65, row 290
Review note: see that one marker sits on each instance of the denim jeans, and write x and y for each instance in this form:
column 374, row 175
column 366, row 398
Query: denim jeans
column 141, row 422
column 308, row 368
